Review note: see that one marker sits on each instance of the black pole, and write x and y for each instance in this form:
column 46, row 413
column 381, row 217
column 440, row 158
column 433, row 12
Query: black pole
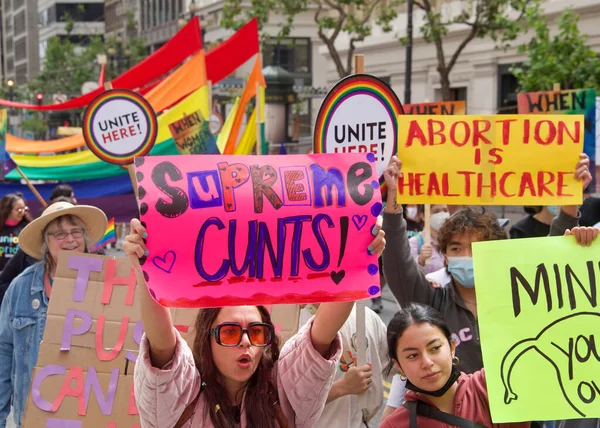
column 408, row 69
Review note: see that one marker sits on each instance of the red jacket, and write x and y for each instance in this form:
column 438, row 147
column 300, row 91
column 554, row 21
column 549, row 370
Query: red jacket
column 470, row 402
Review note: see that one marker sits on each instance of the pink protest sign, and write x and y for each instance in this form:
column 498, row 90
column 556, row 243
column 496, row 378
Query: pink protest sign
column 231, row 230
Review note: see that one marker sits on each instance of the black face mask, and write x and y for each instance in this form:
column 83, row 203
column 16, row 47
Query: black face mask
column 453, row 377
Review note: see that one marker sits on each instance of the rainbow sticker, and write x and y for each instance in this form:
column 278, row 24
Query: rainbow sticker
column 359, row 115
column 120, row 125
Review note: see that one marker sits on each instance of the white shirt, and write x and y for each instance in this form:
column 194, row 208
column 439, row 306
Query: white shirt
column 344, row 412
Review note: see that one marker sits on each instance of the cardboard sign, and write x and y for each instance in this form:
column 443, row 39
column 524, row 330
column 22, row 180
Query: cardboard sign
column 537, row 306
column 230, row 230
column 359, row 116
column 84, row 373
column 192, row 135
column 575, row 101
column 119, row 125
column 490, row 160
column 443, row 108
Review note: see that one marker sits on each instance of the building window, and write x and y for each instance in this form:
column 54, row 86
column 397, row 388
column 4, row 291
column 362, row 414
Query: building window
column 143, row 14
column 8, row 24
column 9, row 44
column 81, row 12
column 21, row 49
column 6, row 4
column 21, row 74
column 458, row 94
column 111, row 20
column 20, row 23
column 10, row 65
column 42, row 50
column 507, row 90
column 18, row 4
column 173, row 9
column 291, row 54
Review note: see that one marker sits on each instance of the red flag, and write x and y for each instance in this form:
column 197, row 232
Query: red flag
column 233, row 52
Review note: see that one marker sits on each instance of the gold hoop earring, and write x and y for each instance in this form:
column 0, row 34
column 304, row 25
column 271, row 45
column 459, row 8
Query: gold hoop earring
column 455, row 361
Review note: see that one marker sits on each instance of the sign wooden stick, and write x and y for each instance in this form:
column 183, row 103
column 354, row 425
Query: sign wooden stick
column 31, row 187
column 361, row 337
column 258, row 122
column 131, row 170
column 427, row 229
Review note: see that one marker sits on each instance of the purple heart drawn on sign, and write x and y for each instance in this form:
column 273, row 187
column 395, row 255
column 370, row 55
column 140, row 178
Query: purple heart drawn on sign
column 359, row 221
column 166, row 262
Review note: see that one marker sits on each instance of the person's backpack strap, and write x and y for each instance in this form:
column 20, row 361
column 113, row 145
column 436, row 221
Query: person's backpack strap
column 438, row 299
column 412, row 412
column 188, row 413
column 428, row 411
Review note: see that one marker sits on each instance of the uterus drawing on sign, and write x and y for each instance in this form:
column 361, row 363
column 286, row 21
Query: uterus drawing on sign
column 575, row 357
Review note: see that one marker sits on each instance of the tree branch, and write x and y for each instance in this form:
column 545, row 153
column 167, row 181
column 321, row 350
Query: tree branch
column 460, row 48
column 351, row 49
column 467, row 39
column 419, row 4
column 330, row 41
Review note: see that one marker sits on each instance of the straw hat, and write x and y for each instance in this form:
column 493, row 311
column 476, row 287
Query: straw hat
column 31, row 239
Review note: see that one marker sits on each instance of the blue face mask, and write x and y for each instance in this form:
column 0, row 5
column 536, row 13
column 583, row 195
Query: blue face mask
column 461, row 269
column 553, row 210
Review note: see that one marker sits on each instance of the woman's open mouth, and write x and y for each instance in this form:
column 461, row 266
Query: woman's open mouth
column 244, row 361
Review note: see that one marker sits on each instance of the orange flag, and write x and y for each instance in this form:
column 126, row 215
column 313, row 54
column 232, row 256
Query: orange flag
column 256, row 76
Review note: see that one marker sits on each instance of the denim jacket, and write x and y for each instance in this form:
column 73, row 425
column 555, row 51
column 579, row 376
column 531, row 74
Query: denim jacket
column 22, row 322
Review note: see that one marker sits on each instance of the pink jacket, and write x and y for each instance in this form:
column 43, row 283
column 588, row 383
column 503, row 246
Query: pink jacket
column 304, row 379
column 470, row 402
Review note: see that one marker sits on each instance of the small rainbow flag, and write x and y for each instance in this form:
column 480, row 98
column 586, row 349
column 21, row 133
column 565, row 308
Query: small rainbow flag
column 109, row 236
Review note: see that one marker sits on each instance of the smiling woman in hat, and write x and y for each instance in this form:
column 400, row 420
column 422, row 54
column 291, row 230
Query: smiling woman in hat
column 62, row 227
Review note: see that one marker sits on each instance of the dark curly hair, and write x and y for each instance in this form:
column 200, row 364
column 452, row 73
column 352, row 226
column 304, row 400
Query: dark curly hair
column 468, row 220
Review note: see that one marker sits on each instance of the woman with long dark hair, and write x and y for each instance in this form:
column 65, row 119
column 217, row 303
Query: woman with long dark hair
column 14, row 216
column 235, row 376
column 421, row 348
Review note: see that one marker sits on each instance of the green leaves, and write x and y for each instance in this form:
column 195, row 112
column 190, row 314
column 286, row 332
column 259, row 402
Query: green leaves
column 560, row 58
column 356, row 18
column 68, row 66
column 499, row 20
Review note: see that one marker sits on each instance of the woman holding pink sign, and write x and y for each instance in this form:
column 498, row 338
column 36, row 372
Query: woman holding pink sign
column 235, row 375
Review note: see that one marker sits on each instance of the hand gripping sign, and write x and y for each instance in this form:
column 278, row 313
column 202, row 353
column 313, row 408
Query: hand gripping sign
column 120, row 125
column 230, row 230
column 359, row 115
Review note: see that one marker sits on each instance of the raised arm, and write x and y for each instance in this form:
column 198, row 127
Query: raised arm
column 568, row 216
column 331, row 316
column 402, row 273
column 158, row 325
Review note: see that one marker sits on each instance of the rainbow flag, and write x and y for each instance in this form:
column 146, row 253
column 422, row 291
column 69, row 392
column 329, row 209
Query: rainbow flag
column 109, row 236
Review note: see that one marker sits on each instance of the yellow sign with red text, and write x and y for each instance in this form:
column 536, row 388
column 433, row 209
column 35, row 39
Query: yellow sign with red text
column 490, row 160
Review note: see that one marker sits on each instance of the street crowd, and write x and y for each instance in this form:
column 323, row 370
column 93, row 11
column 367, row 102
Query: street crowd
column 237, row 373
